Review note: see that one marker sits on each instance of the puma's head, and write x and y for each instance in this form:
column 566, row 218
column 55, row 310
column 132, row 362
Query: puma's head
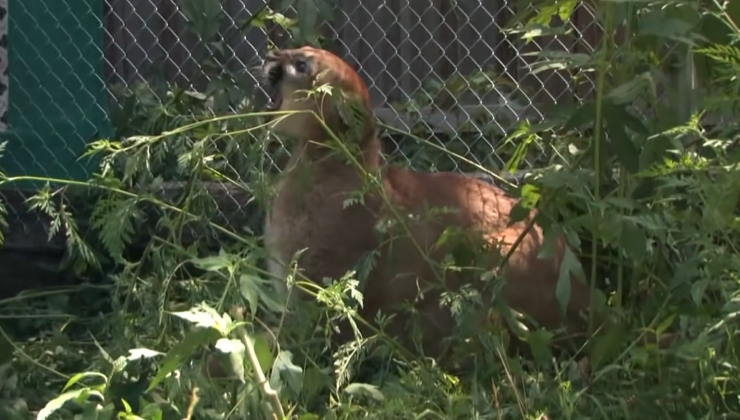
column 341, row 97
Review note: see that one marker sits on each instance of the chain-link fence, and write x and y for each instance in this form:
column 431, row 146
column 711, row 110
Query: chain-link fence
column 444, row 65
column 78, row 70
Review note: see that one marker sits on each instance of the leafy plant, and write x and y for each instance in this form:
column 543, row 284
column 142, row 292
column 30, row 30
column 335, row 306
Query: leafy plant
column 641, row 178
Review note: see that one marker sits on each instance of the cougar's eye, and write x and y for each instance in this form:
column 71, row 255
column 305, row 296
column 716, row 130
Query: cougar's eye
column 300, row 66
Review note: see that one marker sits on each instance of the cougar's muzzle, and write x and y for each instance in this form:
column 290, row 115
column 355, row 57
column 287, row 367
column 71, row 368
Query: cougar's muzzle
column 272, row 74
column 286, row 71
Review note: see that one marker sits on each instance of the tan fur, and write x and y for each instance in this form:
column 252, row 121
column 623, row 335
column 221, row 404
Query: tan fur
column 308, row 212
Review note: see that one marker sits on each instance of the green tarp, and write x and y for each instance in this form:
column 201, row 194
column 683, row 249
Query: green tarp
column 58, row 101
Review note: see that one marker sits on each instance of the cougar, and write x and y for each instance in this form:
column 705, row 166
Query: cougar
column 419, row 227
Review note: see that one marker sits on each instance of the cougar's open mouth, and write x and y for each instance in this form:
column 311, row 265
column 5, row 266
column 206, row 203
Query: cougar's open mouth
column 276, row 100
column 272, row 73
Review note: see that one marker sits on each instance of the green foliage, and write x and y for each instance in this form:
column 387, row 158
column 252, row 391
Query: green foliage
column 641, row 178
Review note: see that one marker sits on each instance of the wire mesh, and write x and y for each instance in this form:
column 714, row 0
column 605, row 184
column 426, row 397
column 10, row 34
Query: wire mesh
column 444, row 70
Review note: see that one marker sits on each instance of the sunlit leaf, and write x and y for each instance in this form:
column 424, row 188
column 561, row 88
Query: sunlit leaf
column 76, row 378
column 366, row 390
column 202, row 316
column 136, row 354
column 59, row 402
column 231, row 356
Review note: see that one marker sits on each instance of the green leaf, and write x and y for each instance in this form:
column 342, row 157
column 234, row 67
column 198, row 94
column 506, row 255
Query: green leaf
column 90, row 411
column 519, row 212
column 183, row 351
column 156, row 415
column 450, row 236
column 284, row 371
column 530, row 196
column 620, row 203
column 664, row 325
column 720, row 204
column 152, row 412
column 230, row 353
column 132, row 417
column 113, row 219
column 629, row 91
column 698, row 289
column 59, row 402
column 655, row 151
column 351, row 110
column 657, row 23
column 620, row 144
column 569, row 268
column 607, row 345
column 463, row 254
column 107, row 412
column 252, row 291
column 624, row 117
column 651, row 223
column 308, row 13
column 281, row 20
column 326, row 8
column 365, row 390
column 550, row 240
column 263, row 352
column 633, row 241
column 204, row 17
column 583, row 116
column 214, row 262
column 126, row 406
column 539, row 343
column 76, row 378
column 314, row 380
column 7, row 349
